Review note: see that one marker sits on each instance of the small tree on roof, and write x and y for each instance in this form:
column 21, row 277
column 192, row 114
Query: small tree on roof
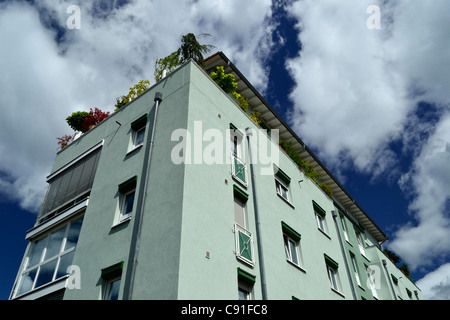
column 190, row 49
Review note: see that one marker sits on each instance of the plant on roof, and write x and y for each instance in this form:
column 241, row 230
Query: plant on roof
column 392, row 256
column 135, row 91
column 228, row 84
column 82, row 121
column 305, row 166
column 64, row 141
column 395, row 259
column 190, row 48
column 76, row 120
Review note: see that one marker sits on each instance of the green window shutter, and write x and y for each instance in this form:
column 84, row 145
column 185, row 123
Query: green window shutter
column 239, row 170
column 246, row 277
column 128, row 185
column 282, row 175
column 238, row 192
column 394, row 279
column 333, row 264
column 113, row 270
column 140, row 122
column 245, row 246
column 291, row 233
column 318, row 209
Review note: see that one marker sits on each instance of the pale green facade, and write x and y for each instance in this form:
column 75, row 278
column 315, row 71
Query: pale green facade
column 182, row 228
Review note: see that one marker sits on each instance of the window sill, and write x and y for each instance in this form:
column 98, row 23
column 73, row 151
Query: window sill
column 290, row 204
column 324, row 233
column 44, row 290
column 121, row 222
column 134, row 149
column 337, row 292
column 296, row 266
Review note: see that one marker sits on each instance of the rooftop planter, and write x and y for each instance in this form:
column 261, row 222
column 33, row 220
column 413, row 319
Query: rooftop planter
column 82, row 121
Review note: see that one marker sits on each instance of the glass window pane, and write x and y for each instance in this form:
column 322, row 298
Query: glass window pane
column 74, row 232
column 54, row 245
column 293, row 249
column 139, row 137
column 27, row 282
column 128, row 205
column 113, row 290
column 36, row 252
column 243, row 294
column 46, row 272
column 239, row 214
column 64, row 263
column 286, row 248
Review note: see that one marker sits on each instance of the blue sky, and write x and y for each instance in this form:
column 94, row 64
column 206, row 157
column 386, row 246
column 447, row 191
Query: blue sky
column 373, row 104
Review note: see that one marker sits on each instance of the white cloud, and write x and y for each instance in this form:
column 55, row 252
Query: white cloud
column 357, row 90
column 436, row 284
column 429, row 179
column 347, row 100
column 43, row 81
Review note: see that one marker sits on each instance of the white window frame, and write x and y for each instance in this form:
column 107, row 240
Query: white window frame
column 333, row 276
column 321, row 222
column 108, row 286
column 122, row 205
column 360, row 241
column 288, row 241
column 280, row 184
column 355, row 269
column 344, row 228
column 44, row 260
column 237, row 154
column 135, row 136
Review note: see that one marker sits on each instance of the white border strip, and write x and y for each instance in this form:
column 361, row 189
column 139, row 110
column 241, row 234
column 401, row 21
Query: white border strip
column 71, row 163
column 42, row 227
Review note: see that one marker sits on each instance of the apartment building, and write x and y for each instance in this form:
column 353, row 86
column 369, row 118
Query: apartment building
column 181, row 195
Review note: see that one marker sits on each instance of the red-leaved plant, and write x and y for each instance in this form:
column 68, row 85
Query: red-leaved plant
column 95, row 117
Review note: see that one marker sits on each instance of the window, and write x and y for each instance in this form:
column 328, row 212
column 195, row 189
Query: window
column 396, row 287
column 246, row 282
column 360, row 242
column 320, row 217
column 243, row 237
column 282, row 182
column 138, row 132
column 355, row 269
column 409, row 293
column 291, row 241
column 238, row 166
column 67, row 186
column 126, row 198
column 50, row 256
column 112, row 289
column 111, row 281
column 332, row 270
column 344, row 227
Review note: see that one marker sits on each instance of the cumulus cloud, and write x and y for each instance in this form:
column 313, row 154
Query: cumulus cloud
column 347, row 100
column 359, row 90
column 430, row 181
column 49, row 71
column 436, row 284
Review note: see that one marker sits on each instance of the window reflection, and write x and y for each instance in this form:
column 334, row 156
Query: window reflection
column 49, row 258
column 36, row 253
